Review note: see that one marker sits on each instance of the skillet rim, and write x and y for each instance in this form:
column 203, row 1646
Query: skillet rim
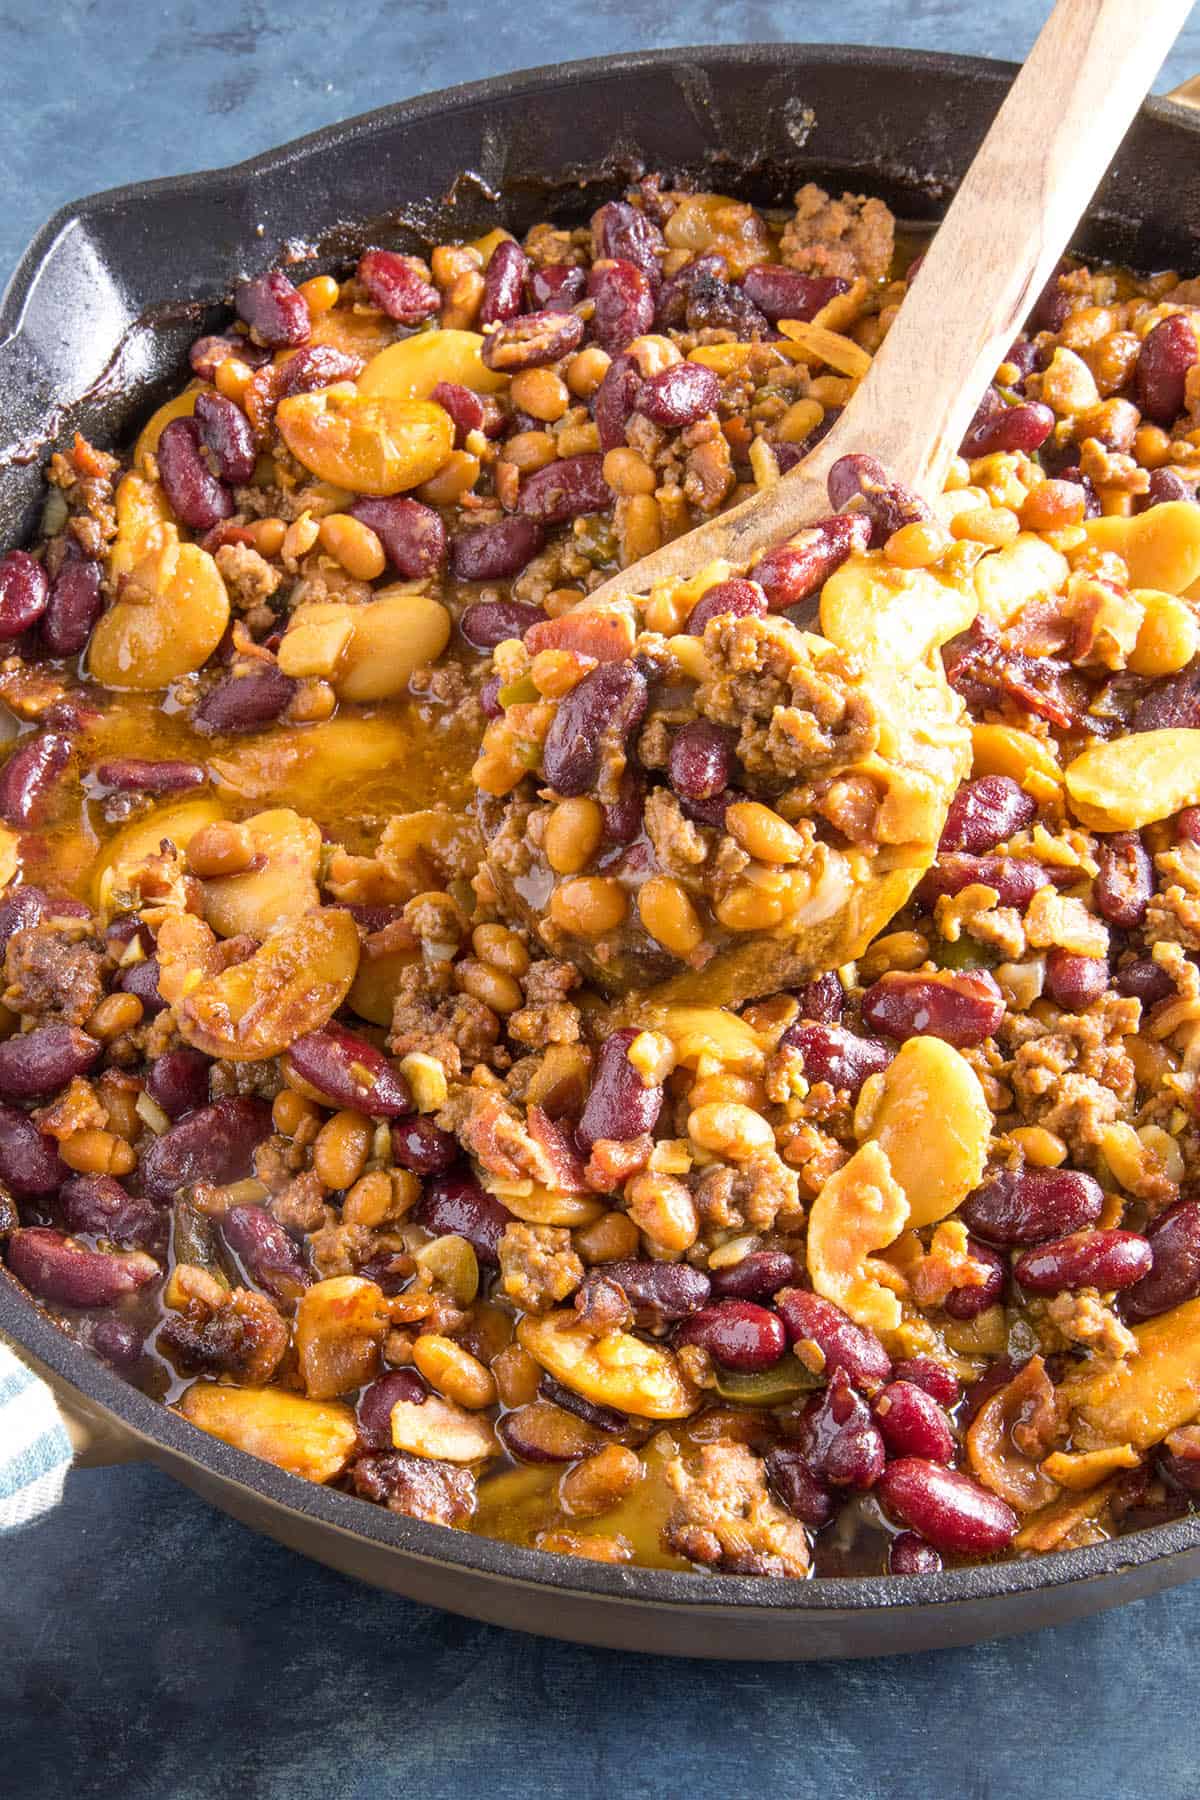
column 153, row 1425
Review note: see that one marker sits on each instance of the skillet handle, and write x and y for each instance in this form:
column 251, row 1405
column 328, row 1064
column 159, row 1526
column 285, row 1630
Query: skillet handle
column 1187, row 93
column 95, row 1440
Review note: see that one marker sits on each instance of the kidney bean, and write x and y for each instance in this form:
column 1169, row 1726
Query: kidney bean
column 619, row 1104
column 839, row 1440
column 245, row 702
column 29, row 775
column 998, row 426
column 797, row 1488
column 909, row 1554
column 1075, row 475
column 133, row 775
column 118, row 1342
column 24, row 592
column 495, row 552
column 465, row 407
column 21, row 907
column 41, row 1062
column 1074, row 982
column 912, row 1423
column 504, row 283
column 623, row 233
column 1030, row 1206
column 489, row 698
column 269, row 1256
column 1052, row 306
column 1022, row 354
column 961, row 1007
column 822, row 1001
column 1175, row 1275
column 700, row 761
column 565, row 489
column 658, row 1292
column 711, row 812
column 490, row 622
column 615, row 399
column 758, row 1276
column 1160, row 379
column 1099, row 1259
column 624, row 302
column 844, row 1345
column 1165, row 484
column 967, row 1302
column 396, row 285
column 74, row 605
column 422, row 1146
column 456, row 1205
column 178, row 1081
column 317, row 367
column 225, row 431
column 29, row 1161
column 556, row 287
column 787, row 294
column 887, row 504
column 1126, row 880
column 674, row 295
column 544, row 1433
column 985, row 812
column 833, row 1054
column 57, row 1269
column 208, row 353
column 413, row 536
column 933, row 1377
column 604, row 1418
column 141, row 978
column 794, row 572
column 100, row 1206
column 737, row 1334
column 610, row 701
column 949, row 1510
column 1174, row 703
column 214, row 1144
column 680, row 395
column 1015, row 880
column 710, row 303
column 273, row 309
column 532, row 341
column 1144, row 980
column 741, row 599
column 196, row 496
column 344, row 1070
column 375, row 1405
column 623, row 816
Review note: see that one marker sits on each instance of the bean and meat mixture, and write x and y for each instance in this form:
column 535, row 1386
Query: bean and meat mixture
column 369, row 899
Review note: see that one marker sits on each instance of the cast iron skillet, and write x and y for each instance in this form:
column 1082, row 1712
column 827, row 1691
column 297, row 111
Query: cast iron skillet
column 108, row 297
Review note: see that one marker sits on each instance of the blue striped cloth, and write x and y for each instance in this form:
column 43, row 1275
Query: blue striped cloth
column 35, row 1451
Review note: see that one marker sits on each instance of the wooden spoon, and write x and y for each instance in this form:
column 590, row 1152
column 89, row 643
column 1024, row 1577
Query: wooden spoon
column 1012, row 217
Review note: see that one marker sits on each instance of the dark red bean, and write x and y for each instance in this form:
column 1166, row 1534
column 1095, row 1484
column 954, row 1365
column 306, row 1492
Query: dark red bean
column 843, row 1344
column 960, row 1006
column 967, row 1301
column 495, row 552
column 456, row 1205
column 565, row 489
column 225, row 431
column 273, row 309
column 1165, row 485
column 985, row 812
column 24, row 591
column 738, row 1334
column 490, row 622
column 532, row 341
column 796, row 1487
column 795, row 572
column 21, row 907
column 1182, row 1472
column 1053, row 305
column 623, row 816
column 1126, row 880
column 887, row 504
column 680, row 395
column 1175, row 1275
column 1015, row 880
column 623, row 233
column 822, row 1001
column 609, row 702
column 504, row 283
column 344, row 1070
column 208, row 353
column 413, row 536
column 1169, row 704
column 711, row 812
column 141, row 978
column 934, row 1378
column 489, row 698
column 1099, row 1259
column 1022, row 354
column 833, row 1054
column 178, row 1081
column 839, row 1440
column 1029, row 1206
column 787, row 294
column 604, row 1418
column 544, row 1433
column 700, row 761
column 949, row 1510
column 556, row 287
column 711, row 303
column 624, row 301
column 422, row 1146
column 133, row 775
column 465, row 407
column 120, row 1343
column 196, row 496
column 912, row 1423
column 675, row 295
column 75, row 603
column 245, row 702
column 57, row 1269
column 1160, row 379
column 269, row 1256
column 615, row 400
column 215, row 1145
column 397, row 285
column 375, row 1405
column 317, row 367
column 1074, row 982
column 619, row 1104
column 29, row 775
column 100, row 1207
column 758, row 1276
column 909, row 1554
column 998, row 426
column 741, row 599
column 996, row 1376
column 29, row 1161
column 1144, row 980
column 41, row 1062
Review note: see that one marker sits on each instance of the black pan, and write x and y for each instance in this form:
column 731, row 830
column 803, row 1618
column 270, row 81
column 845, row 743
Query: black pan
column 107, row 299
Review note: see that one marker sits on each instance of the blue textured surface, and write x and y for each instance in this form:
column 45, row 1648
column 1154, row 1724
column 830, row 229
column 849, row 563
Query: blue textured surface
column 151, row 1647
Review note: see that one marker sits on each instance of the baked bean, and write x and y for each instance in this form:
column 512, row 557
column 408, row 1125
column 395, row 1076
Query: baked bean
column 669, row 916
column 353, row 545
column 596, row 1484
column 341, row 1149
column 588, row 906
